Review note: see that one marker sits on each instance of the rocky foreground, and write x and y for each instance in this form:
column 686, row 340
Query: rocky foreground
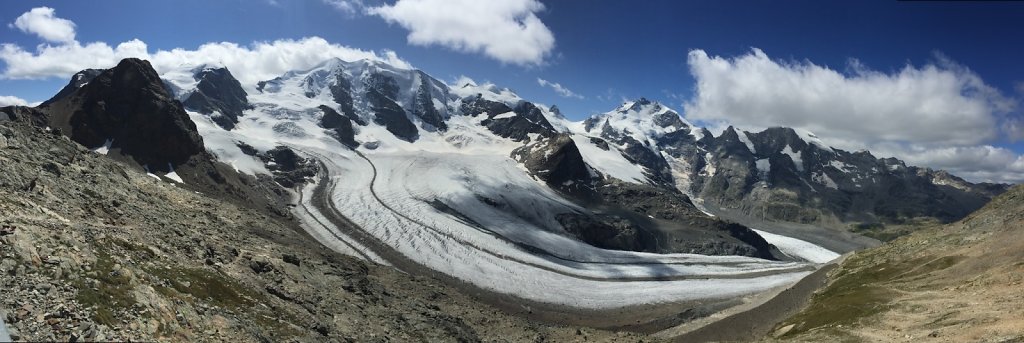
column 94, row 249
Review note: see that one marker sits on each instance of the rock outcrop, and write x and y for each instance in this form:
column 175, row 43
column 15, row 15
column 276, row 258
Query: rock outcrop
column 341, row 126
column 128, row 107
column 218, row 94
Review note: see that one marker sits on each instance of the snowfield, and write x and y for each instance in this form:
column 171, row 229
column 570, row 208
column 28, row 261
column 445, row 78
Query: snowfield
column 455, row 202
column 609, row 162
column 798, row 248
column 569, row 273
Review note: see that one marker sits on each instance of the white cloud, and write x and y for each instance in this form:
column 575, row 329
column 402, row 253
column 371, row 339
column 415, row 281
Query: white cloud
column 940, row 115
column 976, row 163
column 266, row 60
column 7, row 100
column 250, row 64
column 65, row 59
column 41, row 22
column 349, row 7
column 506, row 30
column 558, row 88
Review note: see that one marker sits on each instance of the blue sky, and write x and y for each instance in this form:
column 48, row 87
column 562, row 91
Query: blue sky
column 607, row 51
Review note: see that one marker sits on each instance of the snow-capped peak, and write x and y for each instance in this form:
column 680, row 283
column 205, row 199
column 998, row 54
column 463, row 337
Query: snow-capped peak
column 465, row 87
column 641, row 119
column 205, row 67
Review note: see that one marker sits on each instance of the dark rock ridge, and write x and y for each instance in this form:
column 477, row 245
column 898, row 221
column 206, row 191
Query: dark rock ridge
column 640, row 217
column 77, row 81
column 803, row 182
column 513, row 123
column 382, row 91
column 340, row 126
column 681, row 226
column 129, row 106
column 558, row 162
column 423, row 103
column 218, row 92
column 339, row 87
column 788, row 177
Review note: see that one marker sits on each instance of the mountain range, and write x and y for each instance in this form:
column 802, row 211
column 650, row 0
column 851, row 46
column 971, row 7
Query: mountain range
column 476, row 186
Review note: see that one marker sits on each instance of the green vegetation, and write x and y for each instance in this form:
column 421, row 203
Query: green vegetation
column 861, row 289
column 111, row 293
column 205, row 285
column 891, row 231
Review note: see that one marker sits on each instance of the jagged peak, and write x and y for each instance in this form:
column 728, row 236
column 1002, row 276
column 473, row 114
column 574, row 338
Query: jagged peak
column 556, row 111
column 133, row 73
column 802, row 135
column 643, row 106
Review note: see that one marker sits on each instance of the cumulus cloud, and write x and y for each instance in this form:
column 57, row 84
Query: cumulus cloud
column 7, row 100
column 506, row 30
column 558, row 88
column 939, row 115
column 250, row 63
column 64, row 59
column 265, row 60
column 42, row 22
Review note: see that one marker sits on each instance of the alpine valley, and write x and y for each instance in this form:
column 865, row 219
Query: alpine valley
column 362, row 201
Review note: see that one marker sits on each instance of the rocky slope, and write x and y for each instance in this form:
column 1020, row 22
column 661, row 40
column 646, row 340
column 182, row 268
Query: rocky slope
column 955, row 283
column 94, row 249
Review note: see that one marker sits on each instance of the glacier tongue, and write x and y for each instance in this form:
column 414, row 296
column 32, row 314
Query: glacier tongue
column 454, row 201
column 387, row 195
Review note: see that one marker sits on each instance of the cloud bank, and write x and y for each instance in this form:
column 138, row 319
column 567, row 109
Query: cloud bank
column 259, row 60
column 940, row 115
column 7, row 100
column 558, row 88
column 506, row 30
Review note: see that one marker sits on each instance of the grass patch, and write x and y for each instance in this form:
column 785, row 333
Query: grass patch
column 862, row 289
column 112, row 292
column 880, row 231
column 892, row 231
column 137, row 250
column 205, row 285
column 217, row 289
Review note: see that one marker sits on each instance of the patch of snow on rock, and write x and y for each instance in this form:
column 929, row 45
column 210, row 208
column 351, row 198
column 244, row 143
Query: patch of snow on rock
column 610, row 162
column 795, row 156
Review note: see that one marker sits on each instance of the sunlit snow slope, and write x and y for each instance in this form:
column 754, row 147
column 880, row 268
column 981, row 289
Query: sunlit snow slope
column 451, row 199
